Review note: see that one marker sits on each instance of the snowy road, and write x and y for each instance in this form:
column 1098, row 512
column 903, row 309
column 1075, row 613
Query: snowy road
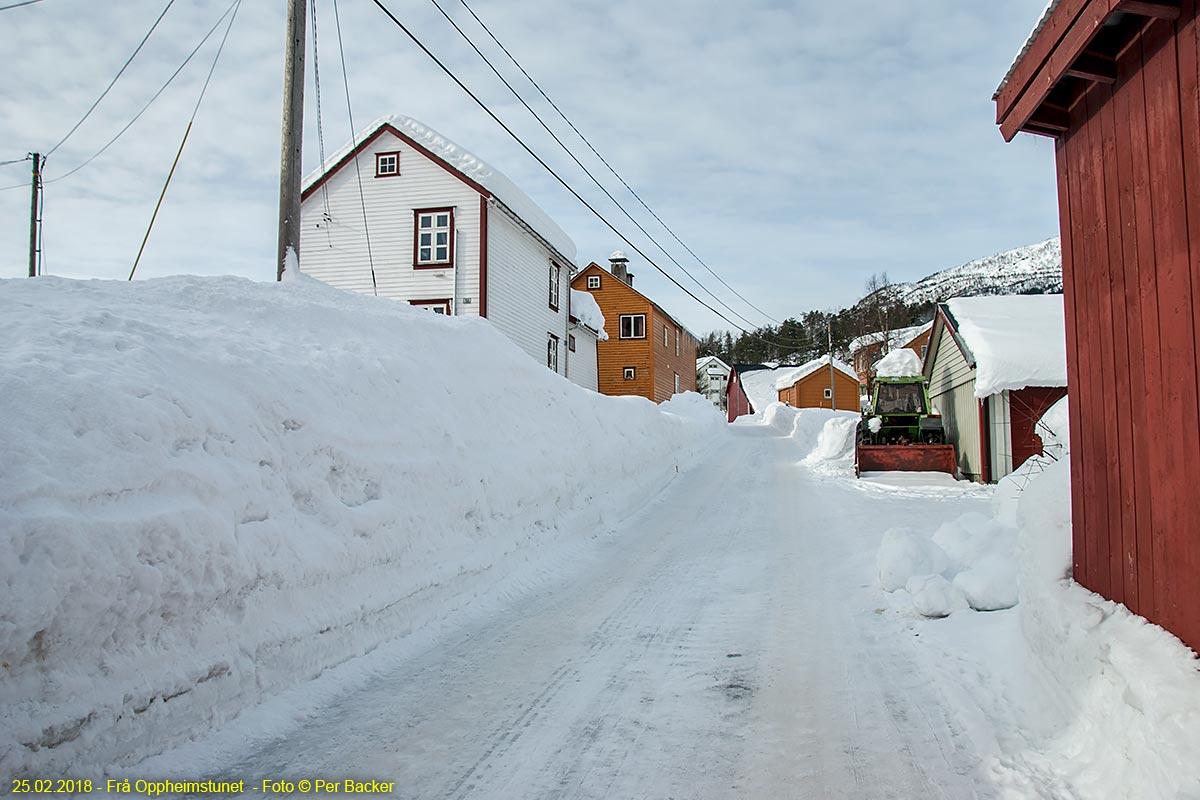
column 727, row 642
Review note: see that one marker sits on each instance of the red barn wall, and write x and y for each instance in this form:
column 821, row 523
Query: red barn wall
column 1129, row 195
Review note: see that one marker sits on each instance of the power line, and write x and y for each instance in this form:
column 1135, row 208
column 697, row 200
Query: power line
column 18, row 5
column 187, row 131
column 580, row 164
column 15, row 161
column 610, row 167
column 320, row 122
column 362, row 200
column 546, row 166
column 150, row 102
column 117, row 77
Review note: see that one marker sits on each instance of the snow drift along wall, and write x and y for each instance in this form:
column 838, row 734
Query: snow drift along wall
column 213, row 489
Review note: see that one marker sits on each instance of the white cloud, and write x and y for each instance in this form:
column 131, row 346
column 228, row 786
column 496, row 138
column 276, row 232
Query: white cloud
column 797, row 146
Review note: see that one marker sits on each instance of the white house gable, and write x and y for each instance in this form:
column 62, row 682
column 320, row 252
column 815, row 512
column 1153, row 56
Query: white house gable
column 397, row 182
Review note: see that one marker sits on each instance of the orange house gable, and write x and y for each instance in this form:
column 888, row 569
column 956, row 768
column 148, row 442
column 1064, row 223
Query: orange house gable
column 648, row 353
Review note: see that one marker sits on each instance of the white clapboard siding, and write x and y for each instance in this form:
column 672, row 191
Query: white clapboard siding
column 335, row 250
column 519, row 288
column 952, row 392
column 582, row 367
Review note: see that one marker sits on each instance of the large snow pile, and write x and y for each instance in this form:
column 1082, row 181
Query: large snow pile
column 213, row 489
column 1016, row 341
column 468, row 164
column 902, row 363
column 585, row 309
column 1131, row 690
column 759, row 386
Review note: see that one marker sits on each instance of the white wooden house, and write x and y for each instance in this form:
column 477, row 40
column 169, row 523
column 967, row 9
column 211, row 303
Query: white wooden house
column 405, row 213
column 995, row 365
column 712, row 380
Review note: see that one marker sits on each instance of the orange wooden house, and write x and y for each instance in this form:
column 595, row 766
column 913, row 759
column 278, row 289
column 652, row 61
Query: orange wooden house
column 648, row 353
column 812, row 386
column 1116, row 84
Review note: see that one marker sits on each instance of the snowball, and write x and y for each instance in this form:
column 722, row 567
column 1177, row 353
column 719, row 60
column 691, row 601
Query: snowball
column 904, row 553
column 934, row 596
column 902, row 363
column 990, row 584
column 875, row 424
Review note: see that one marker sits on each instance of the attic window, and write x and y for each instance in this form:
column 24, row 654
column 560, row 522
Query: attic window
column 433, row 240
column 630, row 373
column 593, row 282
column 828, row 393
column 387, row 165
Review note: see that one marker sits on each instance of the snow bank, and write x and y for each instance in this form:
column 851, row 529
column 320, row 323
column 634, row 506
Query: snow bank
column 214, row 489
column 1016, row 340
column 934, row 596
column 1130, row 690
column 585, row 309
column 902, row 363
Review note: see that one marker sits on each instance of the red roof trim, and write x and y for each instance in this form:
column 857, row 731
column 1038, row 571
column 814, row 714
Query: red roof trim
column 387, row 127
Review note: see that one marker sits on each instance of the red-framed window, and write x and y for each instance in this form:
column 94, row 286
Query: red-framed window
column 433, row 238
column 436, row 306
column 387, row 165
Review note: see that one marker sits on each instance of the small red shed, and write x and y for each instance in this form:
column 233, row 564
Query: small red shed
column 1115, row 83
column 737, row 402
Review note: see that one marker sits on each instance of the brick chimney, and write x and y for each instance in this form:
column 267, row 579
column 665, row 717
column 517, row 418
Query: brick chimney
column 619, row 266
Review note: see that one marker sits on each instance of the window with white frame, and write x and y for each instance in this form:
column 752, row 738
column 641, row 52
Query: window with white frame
column 678, row 336
column 633, row 326
column 436, row 306
column 828, row 393
column 434, row 245
column 555, row 279
column 676, row 383
column 552, row 352
column 665, row 335
column 630, row 373
column 593, row 282
column 387, row 165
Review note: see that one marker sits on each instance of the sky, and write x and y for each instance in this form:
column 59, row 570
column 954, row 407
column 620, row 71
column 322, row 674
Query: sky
column 796, row 147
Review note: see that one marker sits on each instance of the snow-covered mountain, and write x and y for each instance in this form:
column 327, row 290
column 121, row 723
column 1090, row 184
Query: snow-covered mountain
column 1035, row 269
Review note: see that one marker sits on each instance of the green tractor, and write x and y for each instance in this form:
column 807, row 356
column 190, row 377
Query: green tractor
column 900, row 432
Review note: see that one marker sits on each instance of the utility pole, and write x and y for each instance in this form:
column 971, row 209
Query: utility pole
column 832, row 388
column 33, row 215
column 293, row 124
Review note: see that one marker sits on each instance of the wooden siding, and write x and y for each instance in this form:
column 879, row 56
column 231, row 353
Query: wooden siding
column 582, row 364
column 1025, row 408
column 519, row 288
column 809, row 391
column 952, row 392
column 1129, row 190
column 615, row 299
column 335, row 250
column 666, row 364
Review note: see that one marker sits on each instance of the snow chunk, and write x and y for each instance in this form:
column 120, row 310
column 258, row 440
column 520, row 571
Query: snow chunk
column 585, row 309
column 903, row 554
column 1016, row 340
column 902, row 363
column 934, row 596
column 990, row 584
column 618, row 255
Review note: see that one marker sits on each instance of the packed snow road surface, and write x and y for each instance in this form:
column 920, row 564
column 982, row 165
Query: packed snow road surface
column 726, row 642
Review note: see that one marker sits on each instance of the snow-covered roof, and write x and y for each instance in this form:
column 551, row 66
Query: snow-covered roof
column 1053, row 4
column 786, row 377
column 901, row 363
column 467, row 163
column 896, row 338
column 1015, row 340
column 585, row 309
column 704, row 361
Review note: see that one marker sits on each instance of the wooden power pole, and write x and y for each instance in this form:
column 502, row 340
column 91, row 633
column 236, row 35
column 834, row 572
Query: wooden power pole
column 293, row 124
column 33, row 215
column 832, row 384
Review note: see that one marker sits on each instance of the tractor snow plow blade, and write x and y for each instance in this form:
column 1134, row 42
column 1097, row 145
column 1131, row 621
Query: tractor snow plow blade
column 905, row 458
